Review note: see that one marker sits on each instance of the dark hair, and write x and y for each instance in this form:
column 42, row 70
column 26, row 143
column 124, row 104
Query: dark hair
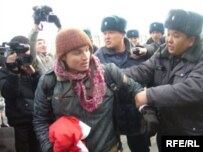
column 20, row 39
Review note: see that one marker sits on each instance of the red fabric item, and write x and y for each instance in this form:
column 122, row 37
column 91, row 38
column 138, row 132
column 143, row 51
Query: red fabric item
column 64, row 134
column 75, row 149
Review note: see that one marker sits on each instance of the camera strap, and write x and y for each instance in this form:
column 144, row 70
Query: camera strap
column 40, row 27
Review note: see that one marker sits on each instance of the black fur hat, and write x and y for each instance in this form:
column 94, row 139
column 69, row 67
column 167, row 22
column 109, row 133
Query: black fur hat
column 20, row 39
column 187, row 22
column 132, row 33
column 114, row 23
column 156, row 26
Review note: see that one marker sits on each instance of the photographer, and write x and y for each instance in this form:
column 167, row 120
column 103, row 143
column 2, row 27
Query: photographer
column 42, row 58
column 18, row 81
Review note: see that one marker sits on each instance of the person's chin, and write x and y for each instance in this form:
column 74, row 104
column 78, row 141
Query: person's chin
column 108, row 45
column 84, row 69
column 171, row 51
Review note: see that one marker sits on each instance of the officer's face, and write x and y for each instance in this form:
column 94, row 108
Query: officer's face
column 113, row 39
column 178, row 42
column 134, row 40
column 156, row 35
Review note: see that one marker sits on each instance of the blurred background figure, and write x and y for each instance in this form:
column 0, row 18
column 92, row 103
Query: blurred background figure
column 3, row 118
column 88, row 32
column 43, row 59
column 133, row 37
column 156, row 31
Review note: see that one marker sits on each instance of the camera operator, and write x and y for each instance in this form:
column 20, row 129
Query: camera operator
column 18, row 81
column 43, row 59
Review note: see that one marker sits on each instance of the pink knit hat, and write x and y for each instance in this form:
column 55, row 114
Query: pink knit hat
column 70, row 39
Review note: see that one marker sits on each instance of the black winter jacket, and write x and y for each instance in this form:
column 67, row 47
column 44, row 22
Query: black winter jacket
column 18, row 91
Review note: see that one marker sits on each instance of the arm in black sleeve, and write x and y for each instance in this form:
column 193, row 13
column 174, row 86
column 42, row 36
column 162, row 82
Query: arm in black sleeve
column 9, row 83
column 43, row 115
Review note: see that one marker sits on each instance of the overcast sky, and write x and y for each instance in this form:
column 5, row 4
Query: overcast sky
column 16, row 15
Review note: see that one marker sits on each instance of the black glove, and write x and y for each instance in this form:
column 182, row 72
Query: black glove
column 54, row 19
column 150, row 122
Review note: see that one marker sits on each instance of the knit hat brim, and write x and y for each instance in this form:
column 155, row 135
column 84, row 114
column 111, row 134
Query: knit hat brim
column 71, row 39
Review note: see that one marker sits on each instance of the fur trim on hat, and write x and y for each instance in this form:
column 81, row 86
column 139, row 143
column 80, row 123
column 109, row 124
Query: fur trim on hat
column 114, row 23
column 187, row 22
column 71, row 39
column 132, row 33
column 156, row 26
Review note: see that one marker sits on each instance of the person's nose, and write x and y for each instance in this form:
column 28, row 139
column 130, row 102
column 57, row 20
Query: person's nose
column 106, row 35
column 85, row 55
column 169, row 39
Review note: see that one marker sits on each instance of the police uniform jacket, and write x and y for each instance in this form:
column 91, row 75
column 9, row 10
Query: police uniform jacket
column 177, row 91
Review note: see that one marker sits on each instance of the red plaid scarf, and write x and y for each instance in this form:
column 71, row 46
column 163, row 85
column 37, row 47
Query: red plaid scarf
column 96, row 77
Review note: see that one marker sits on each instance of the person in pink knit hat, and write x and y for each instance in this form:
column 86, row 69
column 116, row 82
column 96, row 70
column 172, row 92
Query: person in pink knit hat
column 80, row 90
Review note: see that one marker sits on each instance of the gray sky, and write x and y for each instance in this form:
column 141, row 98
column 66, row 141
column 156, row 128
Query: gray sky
column 16, row 15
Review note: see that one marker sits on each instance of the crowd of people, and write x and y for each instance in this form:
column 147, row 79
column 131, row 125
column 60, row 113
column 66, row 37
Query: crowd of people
column 84, row 97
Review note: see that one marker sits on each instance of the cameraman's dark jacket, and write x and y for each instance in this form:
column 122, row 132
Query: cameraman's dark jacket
column 177, row 91
column 18, row 91
column 129, row 118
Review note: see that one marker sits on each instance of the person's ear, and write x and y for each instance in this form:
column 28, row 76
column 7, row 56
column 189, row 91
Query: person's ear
column 191, row 41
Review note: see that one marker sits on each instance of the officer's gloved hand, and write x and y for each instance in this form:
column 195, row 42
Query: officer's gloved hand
column 54, row 19
column 150, row 122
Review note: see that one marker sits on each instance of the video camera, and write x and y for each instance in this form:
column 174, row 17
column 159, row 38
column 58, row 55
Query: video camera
column 20, row 49
column 45, row 13
column 42, row 12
